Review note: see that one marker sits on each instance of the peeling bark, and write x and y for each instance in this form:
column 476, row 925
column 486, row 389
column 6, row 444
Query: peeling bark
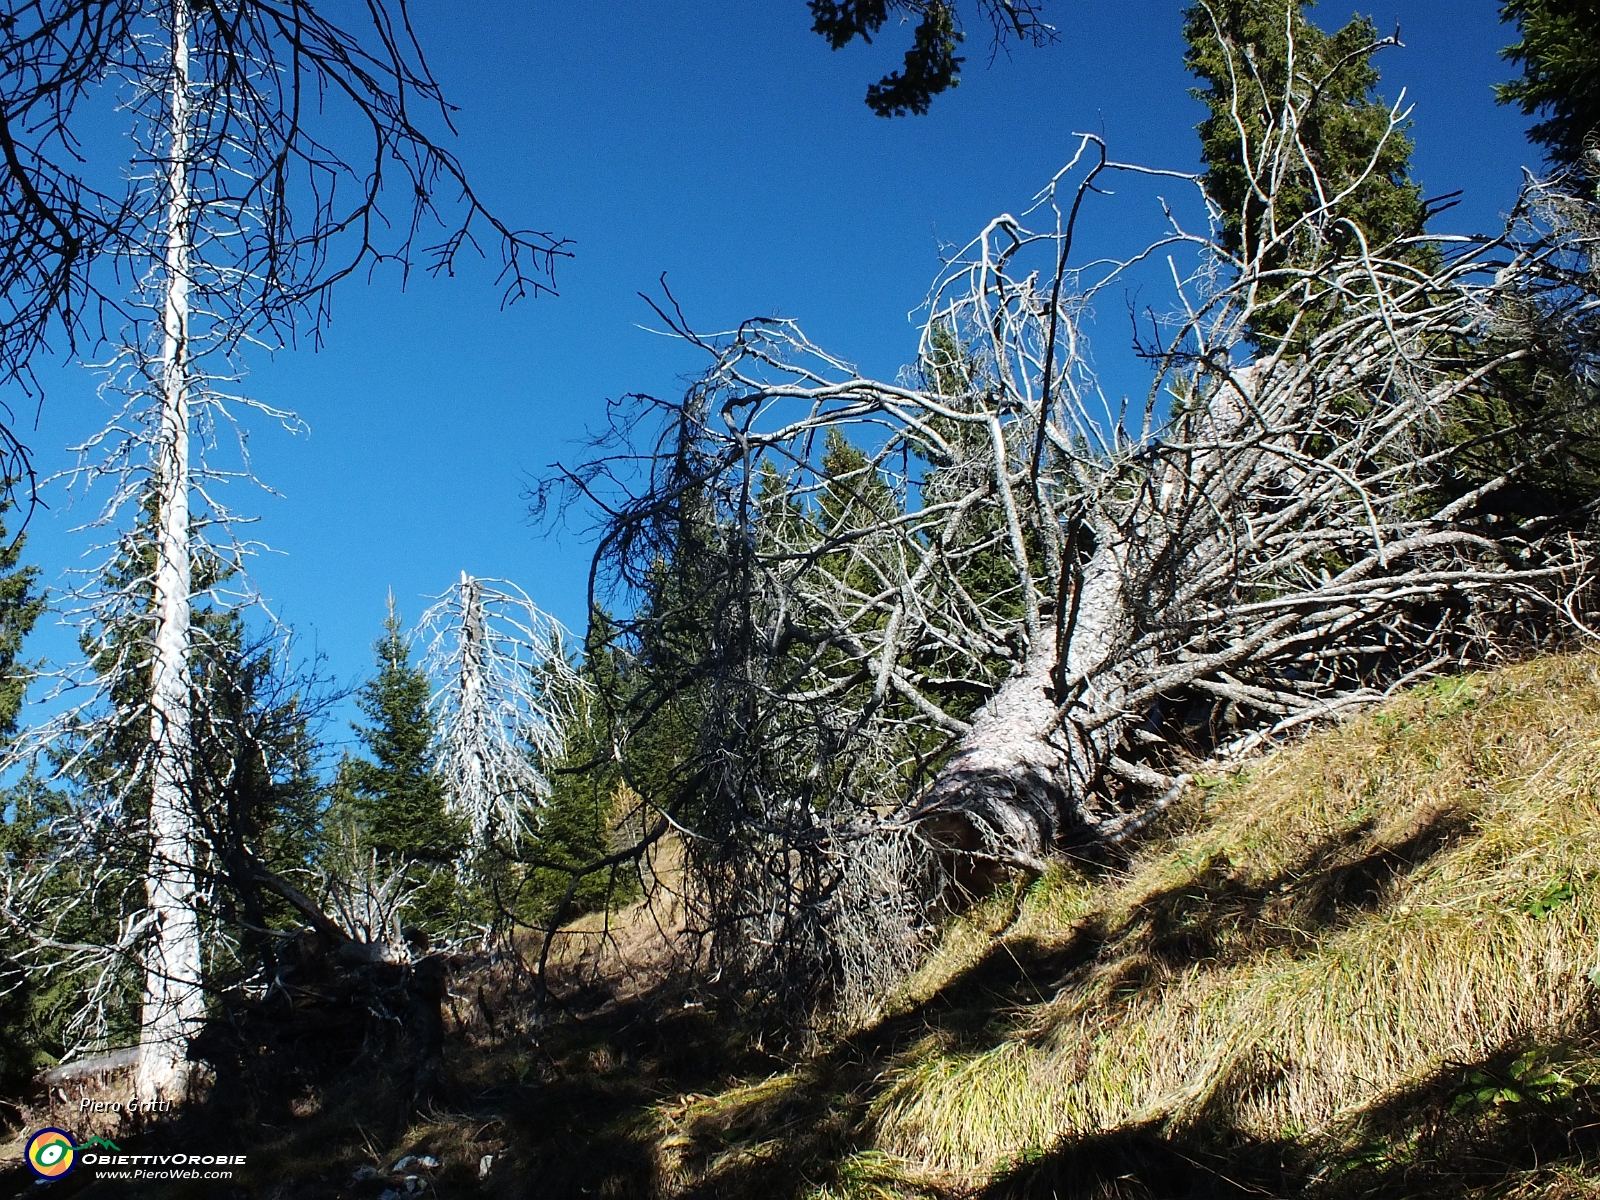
column 1003, row 795
column 1026, row 774
column 85, row 1068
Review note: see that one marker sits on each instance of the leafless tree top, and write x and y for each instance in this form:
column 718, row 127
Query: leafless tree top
column 323, row 145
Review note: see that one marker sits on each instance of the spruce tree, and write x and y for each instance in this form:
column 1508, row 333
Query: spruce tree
column 256, row 782
column 392, row 797
column 1560, row 55
column 21, row 818
column 253, row 795
column 578, row 825
column 20, row 606
column 1240, row 51
column 1345, row 133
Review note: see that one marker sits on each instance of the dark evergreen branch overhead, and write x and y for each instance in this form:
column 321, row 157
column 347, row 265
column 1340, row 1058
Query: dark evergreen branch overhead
column 931, row 66
column 1560, row 57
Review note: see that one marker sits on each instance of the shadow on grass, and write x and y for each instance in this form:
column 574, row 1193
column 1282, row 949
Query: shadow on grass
column 1140, row 1162
column 1433, row 1141
column 658, row 1095
column 1221, row 917
column 589, row 1131
column 1529, row 1113
column 622, row 1134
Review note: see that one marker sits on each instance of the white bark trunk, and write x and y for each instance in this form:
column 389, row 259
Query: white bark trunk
column 1019, row 779
column 173, row 1002
column 475, row 782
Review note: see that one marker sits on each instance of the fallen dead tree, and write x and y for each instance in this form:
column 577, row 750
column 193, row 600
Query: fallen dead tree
column 352, row 987
column 90, row 1067
column 987, row 603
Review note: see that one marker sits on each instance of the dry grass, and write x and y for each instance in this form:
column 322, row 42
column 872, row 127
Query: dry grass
column 631, row 952
column 1411, row 890
column 1308, row 981
column 62, row 1106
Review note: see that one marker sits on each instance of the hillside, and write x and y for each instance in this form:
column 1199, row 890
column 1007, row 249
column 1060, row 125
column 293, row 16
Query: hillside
column 1357, row 968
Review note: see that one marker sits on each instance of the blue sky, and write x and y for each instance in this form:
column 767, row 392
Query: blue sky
column 722, row 144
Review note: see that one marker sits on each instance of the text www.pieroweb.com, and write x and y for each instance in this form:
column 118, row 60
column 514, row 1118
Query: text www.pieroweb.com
column 163, row 1166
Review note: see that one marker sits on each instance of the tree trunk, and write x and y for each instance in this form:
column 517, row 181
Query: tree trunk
column 173, row 1003
column 473, row 790
column 1022, row 777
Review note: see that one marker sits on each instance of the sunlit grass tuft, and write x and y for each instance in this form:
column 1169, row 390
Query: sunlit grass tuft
column 1413, row 889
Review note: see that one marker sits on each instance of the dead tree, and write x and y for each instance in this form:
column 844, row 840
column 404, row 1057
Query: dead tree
column 1019, row 609
column 70, row 219
column 238, row 220
column 503, row 700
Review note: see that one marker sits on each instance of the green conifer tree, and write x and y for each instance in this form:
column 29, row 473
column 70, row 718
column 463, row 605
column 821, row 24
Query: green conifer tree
column 1560, row 55
column 579, row 824
column 20, row 820
column 259, row 797
column 20, row 605
column 254, row 793
column 1240, row 51
column 392, row 798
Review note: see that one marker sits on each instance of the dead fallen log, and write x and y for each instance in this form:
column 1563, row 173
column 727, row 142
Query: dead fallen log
column 331, row 1006
column 95, row 1064
column 1031, row 773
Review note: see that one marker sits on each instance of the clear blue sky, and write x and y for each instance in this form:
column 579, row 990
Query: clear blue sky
column 723, row 144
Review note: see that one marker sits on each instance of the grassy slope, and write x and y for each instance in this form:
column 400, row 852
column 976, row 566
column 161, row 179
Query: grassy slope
column 1358, row 969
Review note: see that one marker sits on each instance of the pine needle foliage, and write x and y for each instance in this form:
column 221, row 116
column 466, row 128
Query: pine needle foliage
column 591, row 811
column 1240, row 50
column 931, row 66
column 20, row 607
column 21, row 604
column 254, row 794
column 393, row 797
column 1559, row 52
